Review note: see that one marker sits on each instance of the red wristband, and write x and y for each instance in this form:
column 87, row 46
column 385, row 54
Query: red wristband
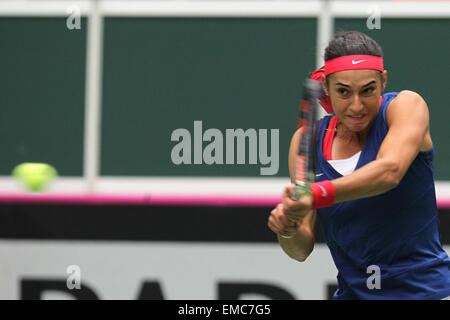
column 323, row 193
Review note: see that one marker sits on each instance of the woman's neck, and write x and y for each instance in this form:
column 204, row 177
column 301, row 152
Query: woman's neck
column 351, row 137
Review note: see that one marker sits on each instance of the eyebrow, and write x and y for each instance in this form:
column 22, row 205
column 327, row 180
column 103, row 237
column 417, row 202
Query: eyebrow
column 348, row 86
column 368, row 84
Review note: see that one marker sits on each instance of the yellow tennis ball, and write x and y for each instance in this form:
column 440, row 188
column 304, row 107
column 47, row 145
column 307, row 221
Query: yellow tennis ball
column 35, row 176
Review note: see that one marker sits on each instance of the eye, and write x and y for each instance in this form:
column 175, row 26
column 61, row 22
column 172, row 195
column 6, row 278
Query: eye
column 342, row 91
column 369, row 90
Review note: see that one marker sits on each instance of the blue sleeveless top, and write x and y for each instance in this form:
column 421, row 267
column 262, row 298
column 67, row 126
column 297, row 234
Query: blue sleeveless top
column 396, row 231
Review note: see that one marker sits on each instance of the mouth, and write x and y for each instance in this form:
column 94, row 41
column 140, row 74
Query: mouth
column 356, row 117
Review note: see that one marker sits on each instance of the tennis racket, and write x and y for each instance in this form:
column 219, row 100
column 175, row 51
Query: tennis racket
column 305, row 157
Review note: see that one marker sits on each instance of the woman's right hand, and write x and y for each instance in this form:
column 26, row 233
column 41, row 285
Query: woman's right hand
column 280, row 224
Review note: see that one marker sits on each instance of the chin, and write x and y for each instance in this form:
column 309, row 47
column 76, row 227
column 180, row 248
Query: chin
column 358, row 127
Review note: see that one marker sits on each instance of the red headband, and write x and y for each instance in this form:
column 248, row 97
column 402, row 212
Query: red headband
column 352, row 62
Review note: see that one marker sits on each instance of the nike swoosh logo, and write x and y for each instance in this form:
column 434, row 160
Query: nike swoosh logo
column 319, row 174
column 324, row 192
column 359, row 61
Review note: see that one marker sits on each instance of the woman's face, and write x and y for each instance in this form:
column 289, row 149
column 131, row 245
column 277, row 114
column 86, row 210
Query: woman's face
column 355, row 96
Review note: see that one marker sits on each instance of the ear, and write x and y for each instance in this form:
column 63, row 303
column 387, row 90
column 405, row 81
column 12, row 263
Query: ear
column 384, row 81
column 325, row 85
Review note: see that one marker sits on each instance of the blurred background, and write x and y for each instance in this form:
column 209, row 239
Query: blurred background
column 109, row 92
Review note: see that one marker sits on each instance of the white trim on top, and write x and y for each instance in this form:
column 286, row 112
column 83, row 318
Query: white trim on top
column 212, row 8
column 274, row 8
column 23, row 8
column 390, row 9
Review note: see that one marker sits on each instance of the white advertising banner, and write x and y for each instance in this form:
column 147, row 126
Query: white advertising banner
column 160, row 270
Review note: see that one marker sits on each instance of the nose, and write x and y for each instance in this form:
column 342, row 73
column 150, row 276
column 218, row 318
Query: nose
column 356, row 106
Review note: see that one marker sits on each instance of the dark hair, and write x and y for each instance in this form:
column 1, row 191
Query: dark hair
column 352, row 42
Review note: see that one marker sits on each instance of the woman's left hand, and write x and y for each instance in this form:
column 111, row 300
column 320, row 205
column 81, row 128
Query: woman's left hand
column 296, row 210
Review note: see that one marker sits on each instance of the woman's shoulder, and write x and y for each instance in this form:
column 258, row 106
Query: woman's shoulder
column 408, row 100
column 409, row 93
column 401, row 99
column 406, row 96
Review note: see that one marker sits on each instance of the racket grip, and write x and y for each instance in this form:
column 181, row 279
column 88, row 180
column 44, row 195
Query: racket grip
column 300, row 189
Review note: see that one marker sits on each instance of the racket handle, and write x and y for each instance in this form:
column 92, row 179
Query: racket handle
column 301, row 188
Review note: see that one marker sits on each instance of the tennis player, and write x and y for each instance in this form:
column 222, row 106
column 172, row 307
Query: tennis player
column 374, row 194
